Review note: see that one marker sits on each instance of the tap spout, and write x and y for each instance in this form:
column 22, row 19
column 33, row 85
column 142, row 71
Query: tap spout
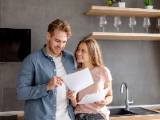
column 127, row 102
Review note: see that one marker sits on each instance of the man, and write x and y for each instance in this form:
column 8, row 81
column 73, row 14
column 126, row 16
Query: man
column 39, row 82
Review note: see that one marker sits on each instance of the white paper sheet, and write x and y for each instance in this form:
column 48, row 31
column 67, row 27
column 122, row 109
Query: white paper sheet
column 94, row 97
column 78, row 80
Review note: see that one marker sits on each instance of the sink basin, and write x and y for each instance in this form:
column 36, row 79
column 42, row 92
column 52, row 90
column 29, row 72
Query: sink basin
column 131, row 111
column 8, row 117
column 142, row 111
column 120, row 111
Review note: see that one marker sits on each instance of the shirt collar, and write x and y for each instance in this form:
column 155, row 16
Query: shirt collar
column 44, row 50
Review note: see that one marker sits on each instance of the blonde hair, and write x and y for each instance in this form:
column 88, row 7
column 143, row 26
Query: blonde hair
column 59, row 25
column 94, row 52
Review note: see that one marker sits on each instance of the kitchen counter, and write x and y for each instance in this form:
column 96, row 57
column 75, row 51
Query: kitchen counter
column 138, row 117
column 133, row 117
column 10, row 113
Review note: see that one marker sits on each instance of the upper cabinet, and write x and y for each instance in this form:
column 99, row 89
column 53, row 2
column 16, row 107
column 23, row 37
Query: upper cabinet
column 118, row 11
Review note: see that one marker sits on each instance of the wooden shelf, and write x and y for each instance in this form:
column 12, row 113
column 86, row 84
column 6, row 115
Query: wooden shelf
column 117, row 11
column 125, row 36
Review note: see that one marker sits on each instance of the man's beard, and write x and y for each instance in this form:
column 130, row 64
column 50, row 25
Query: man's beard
column 54, row 51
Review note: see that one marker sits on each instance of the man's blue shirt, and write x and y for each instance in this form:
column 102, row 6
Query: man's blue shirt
column 37, row 69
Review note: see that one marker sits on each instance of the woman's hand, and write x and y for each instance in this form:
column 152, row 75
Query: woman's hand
column 100, row 103
column 71, row 95
column 107, row 99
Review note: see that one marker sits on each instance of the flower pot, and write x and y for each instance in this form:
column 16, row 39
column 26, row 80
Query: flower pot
column 149, row 7
column 122, row 4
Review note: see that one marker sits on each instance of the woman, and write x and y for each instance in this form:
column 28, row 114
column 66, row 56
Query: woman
column 88, row 55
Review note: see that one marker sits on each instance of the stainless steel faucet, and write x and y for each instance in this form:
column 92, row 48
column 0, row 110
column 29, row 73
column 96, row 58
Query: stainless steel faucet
column 127, row 102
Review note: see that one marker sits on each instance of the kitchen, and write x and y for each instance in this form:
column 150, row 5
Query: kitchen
column 134, row 62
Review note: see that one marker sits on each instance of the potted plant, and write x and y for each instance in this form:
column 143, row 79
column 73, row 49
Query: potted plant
column 148, row 4
column 115, row 3
column 109, row 2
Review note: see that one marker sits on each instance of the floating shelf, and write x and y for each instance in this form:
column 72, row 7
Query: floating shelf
column 117, row 11
column 125, row 36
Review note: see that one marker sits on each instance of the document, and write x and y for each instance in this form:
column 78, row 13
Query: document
column 94, row 97
column 78, row 80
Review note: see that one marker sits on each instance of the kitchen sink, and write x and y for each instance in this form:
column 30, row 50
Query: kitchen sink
column 120, row 111
column 131, row 111
column 142, row 111
column 8, row 117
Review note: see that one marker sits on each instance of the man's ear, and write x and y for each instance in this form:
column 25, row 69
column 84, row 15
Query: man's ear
column 48, row 36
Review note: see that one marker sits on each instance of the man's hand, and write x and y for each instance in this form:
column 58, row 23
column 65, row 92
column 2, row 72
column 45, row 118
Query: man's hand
column 54, row 82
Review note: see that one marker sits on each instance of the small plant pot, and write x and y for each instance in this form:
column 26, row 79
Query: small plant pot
column 122, row 4
column 108, row 2
column 149, row 7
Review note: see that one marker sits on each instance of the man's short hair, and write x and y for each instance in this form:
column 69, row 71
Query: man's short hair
column 59, row 25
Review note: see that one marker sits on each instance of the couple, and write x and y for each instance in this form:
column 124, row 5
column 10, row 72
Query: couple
column 39, row 82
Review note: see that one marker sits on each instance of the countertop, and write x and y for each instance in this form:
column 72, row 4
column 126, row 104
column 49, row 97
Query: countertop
column 10, row 113
column 138, row 117
column 133, row 117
